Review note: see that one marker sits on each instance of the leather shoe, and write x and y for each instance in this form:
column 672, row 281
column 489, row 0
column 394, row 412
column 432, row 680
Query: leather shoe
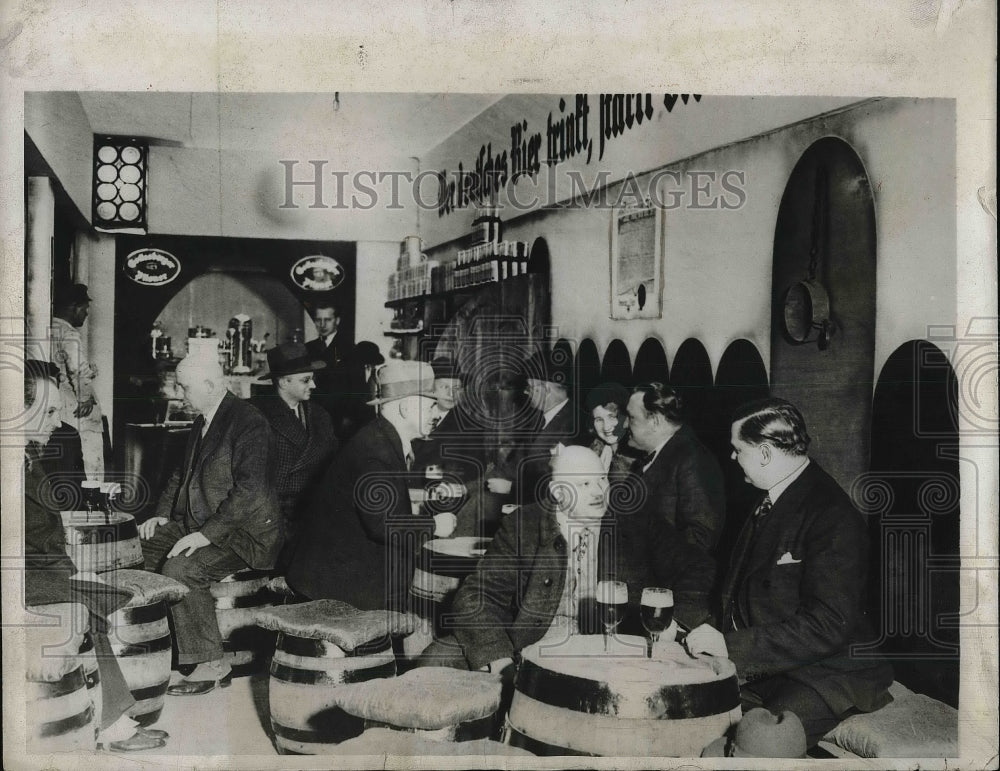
column 154, row 733
column 137, row 742
column 199, row 687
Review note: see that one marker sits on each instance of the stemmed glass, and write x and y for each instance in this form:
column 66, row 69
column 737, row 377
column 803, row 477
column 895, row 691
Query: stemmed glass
column 656, row 609
column 612, row 601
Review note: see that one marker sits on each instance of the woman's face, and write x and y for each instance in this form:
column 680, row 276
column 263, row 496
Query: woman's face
column 609, row 423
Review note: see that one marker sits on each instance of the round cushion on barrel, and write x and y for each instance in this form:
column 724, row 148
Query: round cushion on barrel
column 454, row 702
column 444, row 562
column 238, row 597
column 385, row 741
column 571, row 698
column 140, row 638
column 99, row 542
column 305, row 672
column 337, row 622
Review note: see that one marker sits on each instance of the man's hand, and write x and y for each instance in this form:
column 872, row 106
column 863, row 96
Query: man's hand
column 444, row 524
column 147, row 528
column 188, row 545
column 84, row 408
column 706, row 639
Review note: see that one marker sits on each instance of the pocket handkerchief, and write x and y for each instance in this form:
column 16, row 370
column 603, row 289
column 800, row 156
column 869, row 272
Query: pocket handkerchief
column 787, row 559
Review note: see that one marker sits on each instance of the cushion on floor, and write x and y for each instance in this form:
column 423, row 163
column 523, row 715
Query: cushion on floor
column 146, row 587
column 385, row 741
column 912, row 726
column 429, row 698
column 337, row 622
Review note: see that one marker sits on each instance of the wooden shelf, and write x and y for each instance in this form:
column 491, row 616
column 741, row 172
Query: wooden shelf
column 403, row 332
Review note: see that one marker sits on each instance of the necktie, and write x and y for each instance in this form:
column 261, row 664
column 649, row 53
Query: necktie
column 762, row 510
column 640, row 465
column 409, row 460
column 301, row 411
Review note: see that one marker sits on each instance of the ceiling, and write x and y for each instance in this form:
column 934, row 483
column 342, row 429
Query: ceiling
column 366, row 125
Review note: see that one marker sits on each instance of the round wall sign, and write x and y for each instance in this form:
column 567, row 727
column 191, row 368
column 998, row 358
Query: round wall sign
column 317, row 273
column 152, row 267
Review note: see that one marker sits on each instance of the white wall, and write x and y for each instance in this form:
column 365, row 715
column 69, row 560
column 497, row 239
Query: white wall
column 375, row 262
column 717, row 265
column 58, row 125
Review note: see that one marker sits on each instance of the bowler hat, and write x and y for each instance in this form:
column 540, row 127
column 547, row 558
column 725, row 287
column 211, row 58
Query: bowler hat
column 762, row 734
column 290, row 359
column 555, row 366
column 398, row 379
column 366, row 352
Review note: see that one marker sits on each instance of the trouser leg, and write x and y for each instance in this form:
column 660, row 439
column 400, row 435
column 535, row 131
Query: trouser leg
column 92, row 444
column 154, row 550
column 445, row 652
column 195, row 626
column 116, row 698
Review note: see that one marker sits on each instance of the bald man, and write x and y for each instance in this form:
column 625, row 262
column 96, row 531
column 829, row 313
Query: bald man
column 218, row 514
column 539, row 576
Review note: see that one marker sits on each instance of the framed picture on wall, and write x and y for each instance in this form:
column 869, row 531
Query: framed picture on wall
column 636, row 263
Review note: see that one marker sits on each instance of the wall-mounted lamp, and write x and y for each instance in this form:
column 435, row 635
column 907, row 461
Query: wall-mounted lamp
column 119, row 183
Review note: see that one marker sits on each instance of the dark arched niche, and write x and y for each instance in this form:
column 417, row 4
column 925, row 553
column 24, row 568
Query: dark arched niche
column 617, row 364
column 651, row 363
column 827, row 206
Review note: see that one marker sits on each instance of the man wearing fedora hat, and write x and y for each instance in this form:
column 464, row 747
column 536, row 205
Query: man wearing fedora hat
column 549, row 376
column 303, row 432
column 359, row 538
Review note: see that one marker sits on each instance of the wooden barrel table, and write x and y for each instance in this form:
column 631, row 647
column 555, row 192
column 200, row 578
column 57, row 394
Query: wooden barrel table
column 140, row 638
column 572, row 698
column 98, row 542
column 238, row 597
column 443, row 564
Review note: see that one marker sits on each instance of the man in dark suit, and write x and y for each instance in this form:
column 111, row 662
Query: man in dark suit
column 793, row 601
column 218, row 514
column 550, row 383
column 304, row 438
column 329, row 347
column 679, row 486
column 360, row 535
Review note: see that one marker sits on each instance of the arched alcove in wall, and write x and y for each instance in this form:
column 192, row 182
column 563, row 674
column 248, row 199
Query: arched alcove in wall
column 824, row 251
column 651, row 363
column 691, row 377
column 588, row 365
column 740, row 378
column 911, row 497
column 616, row 367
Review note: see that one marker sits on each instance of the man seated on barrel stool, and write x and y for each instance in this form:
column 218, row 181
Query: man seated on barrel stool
column 50, row 576
column 218, row 514
column 359, row 539
column 303, row 431
column 539, row 576
column 793, row 600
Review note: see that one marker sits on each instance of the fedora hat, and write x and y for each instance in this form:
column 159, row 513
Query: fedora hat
column 555, row 366
column 398, row 379
column 762, row 734
column 290, row 359
column 445, row 369
column 367, row 353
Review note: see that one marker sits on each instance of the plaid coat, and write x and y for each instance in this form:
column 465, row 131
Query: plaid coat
column 303, row 452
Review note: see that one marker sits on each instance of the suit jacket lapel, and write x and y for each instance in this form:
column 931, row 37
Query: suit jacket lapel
column 215, row 429
column 391, row 436
column 777, row 521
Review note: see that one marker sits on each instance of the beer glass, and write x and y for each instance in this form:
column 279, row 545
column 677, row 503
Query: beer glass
column 612, row 601
column 656, row 609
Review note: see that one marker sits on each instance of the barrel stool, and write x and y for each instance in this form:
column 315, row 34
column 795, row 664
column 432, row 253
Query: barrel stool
column 572, row 698
column 438, row 703
column 238, row 597
column 99, row 542
column 59, row 713
column 140, row 638
column 322, row 646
